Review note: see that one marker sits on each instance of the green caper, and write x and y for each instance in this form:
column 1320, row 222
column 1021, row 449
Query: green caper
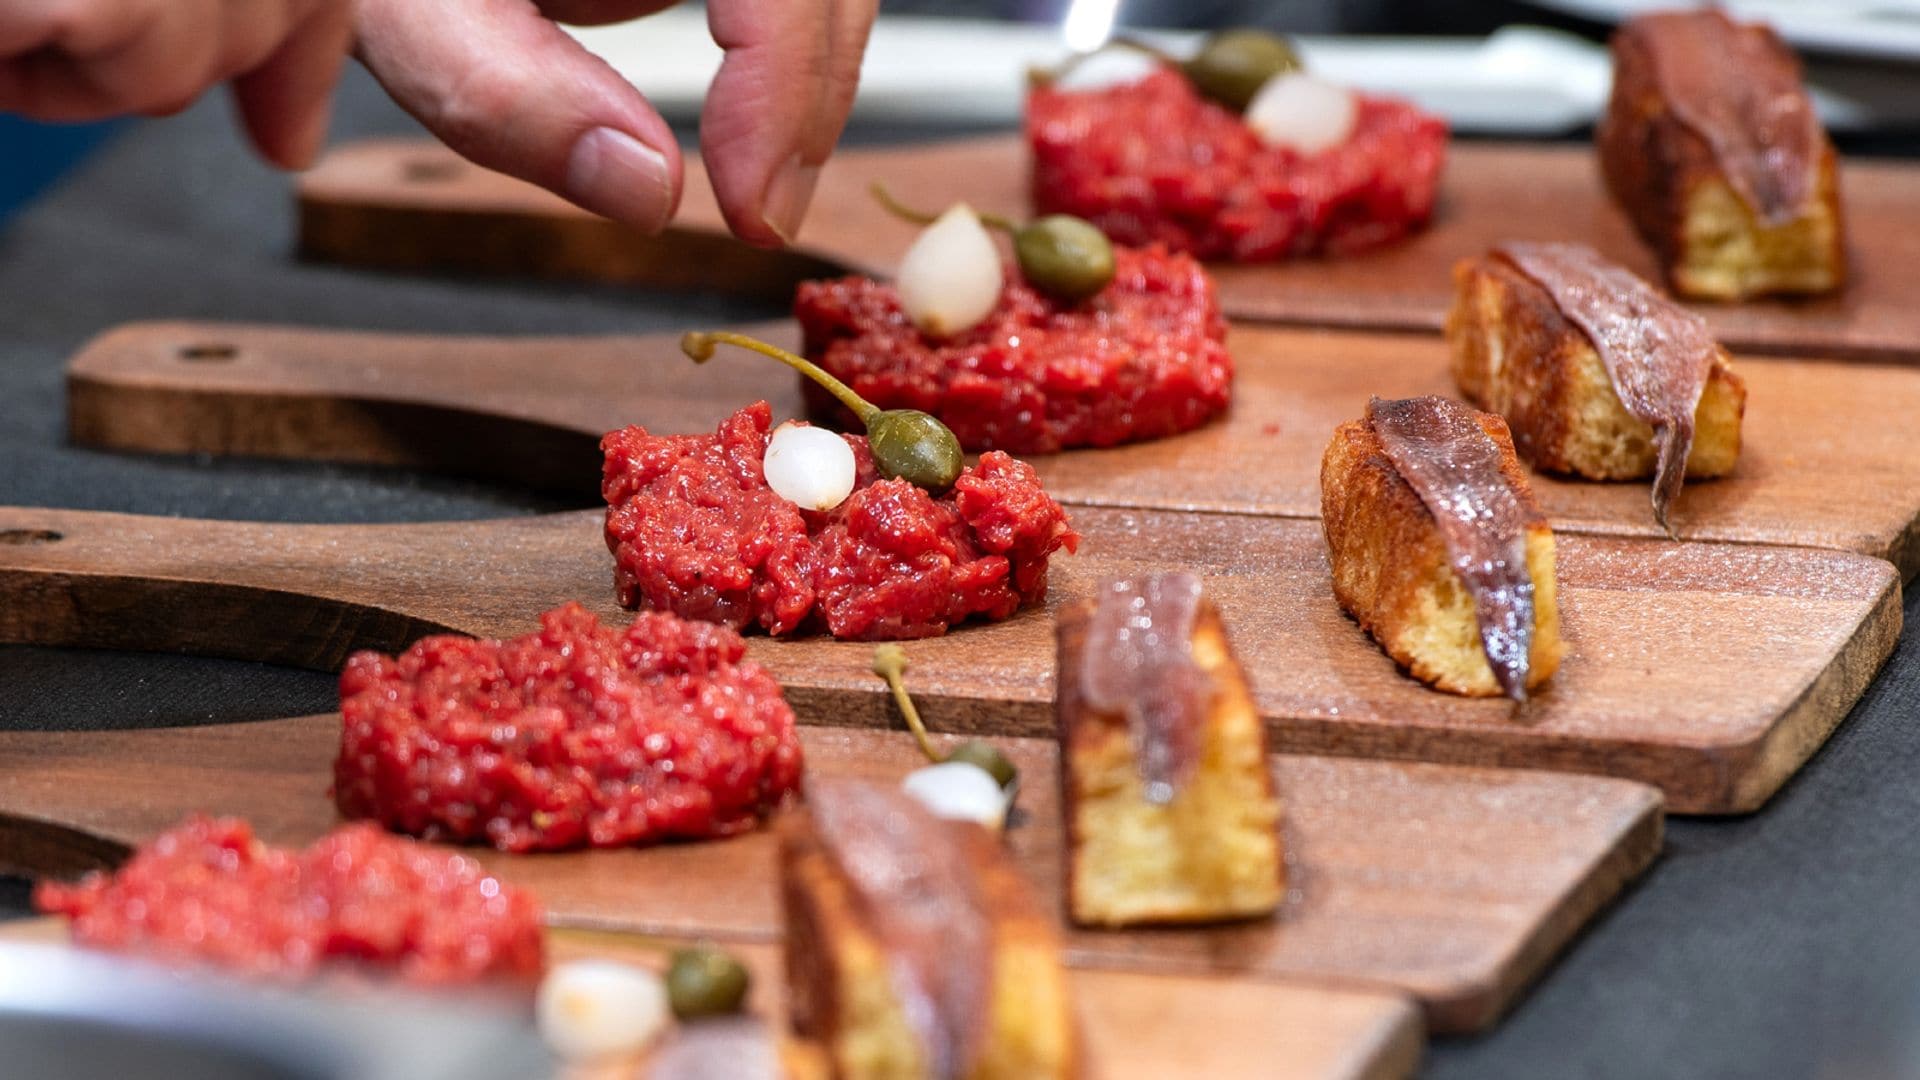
column 906, row 443
column 705, row 981
column 989, row 759
column 1233, row 65
column 916, row 447
column 1064, row 256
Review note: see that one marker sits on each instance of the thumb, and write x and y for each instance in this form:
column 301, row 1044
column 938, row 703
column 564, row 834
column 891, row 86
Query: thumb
column 507, row 89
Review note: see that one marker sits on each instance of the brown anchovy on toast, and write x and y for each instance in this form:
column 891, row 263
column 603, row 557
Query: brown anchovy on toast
column 1171, row 815
column 1711, row 146
column 1438, row 548
column 914, row 948
column 1596, row 373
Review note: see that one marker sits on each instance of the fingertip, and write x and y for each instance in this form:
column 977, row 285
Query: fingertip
column 616, row 175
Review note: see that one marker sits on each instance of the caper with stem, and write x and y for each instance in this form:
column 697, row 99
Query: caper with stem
column 1066, row 257
column 705, row 980
column 1230, row 67
column 906, row 443
column 890, row 663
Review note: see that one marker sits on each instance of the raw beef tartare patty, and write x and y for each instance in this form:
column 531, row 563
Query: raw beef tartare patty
column 695, row 530
column 1144, row 358
column 1153, row 161
column 578, row 735
column 208, row 892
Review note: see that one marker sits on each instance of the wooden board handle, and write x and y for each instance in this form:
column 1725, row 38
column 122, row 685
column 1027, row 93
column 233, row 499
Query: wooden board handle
column 527, row 412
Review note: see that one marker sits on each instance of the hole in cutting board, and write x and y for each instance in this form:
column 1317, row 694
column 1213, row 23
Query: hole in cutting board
column 208, row 354
column 430, row 170
column 30, row 536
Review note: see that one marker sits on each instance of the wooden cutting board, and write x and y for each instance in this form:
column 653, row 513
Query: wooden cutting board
column 412, row 205
column 1711, row 671
column 1136, row 1026
column 1822, row 465
column 1453, row 885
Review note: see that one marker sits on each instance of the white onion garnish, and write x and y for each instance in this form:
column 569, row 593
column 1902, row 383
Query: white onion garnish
column 592, row 1010
column 1304, row 114
column 951, row 277
column 959, row 790
column 810, row 467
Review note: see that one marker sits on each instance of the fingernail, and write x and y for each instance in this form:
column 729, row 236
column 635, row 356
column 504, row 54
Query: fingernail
column 612, row 173
column 788, row 194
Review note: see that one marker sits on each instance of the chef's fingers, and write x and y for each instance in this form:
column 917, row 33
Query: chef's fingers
column 88, row 59
column 778, row 105
column 505, row 87
column 284, row 103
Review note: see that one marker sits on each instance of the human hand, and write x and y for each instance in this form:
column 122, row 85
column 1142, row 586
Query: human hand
column 501, row 84
column 497, row 80
column 72, row 60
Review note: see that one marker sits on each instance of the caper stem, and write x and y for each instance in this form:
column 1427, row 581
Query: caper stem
column 921, row 217
column 698, row 345
column 890, row 663
column 1049, row 76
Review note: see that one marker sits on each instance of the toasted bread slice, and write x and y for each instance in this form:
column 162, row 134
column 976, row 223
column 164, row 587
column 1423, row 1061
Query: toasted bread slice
column 1391, row 571
column 1210, row 853
column 844, row 997
column 1712, row 243
column 1515, row 354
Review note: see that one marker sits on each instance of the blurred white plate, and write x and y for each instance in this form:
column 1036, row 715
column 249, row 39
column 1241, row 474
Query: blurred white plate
column 1876, row 29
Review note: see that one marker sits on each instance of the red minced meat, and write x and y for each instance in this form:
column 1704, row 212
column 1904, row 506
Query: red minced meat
column 1154, row 162
column 207, row 892
column 579, row 735
column 1144, row 358
column 694, row 529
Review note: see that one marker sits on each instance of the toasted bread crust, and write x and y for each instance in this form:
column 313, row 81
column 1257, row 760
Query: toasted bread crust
column 1667, row 179
column 1226, row 819
column 1515, row 354
column 840, row 997
column 1391, row 571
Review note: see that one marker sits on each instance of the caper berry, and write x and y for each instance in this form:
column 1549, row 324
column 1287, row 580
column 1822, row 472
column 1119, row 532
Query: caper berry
column 906, row 443
column 988, row 758
column 1064, row 256
column 1233, row 65
column 890, row 663
column 705, row 981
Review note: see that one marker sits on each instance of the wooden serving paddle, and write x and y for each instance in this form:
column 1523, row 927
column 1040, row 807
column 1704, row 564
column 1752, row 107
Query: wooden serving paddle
column 1711, row 671
column 1451, row 884
column 414, row 205
column 1820, row 467
column 1137, row 1026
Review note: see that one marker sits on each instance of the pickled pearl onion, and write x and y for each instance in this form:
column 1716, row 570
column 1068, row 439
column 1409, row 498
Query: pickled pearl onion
column 1302, row 113
column 591, row 1010
column 811, row 467
column 951, row 277
column 959, row 790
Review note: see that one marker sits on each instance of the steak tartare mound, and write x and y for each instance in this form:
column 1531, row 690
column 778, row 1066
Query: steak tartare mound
column 1154, row 162
column 1144, row 358
column 208, row 892
column 578, row 735
column 695, row 529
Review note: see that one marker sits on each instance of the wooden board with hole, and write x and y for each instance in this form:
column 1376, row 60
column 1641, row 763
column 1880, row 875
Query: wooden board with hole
column 1453, row 885
column 1820, row 465
column 1711, row 671
column 411, row 205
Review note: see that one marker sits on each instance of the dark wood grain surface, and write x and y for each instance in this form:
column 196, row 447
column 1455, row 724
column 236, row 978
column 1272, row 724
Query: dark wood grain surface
column 412, row 205
column 1453, row 885
column 1711, row 671
column 1821, row 466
